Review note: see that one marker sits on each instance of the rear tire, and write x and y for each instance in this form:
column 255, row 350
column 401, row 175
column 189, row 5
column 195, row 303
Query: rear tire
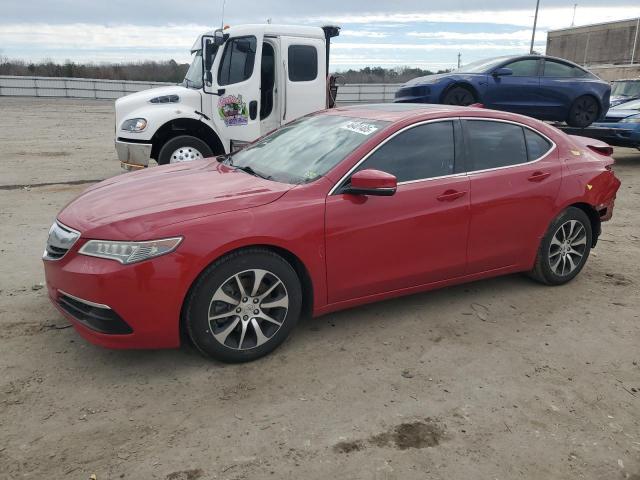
column 243, row 306
column 458, row 95
column 182, row 149
column 583, row 112
column 564, row 249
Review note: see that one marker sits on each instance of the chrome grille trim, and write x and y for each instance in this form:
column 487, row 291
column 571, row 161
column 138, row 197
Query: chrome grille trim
column 61, row 238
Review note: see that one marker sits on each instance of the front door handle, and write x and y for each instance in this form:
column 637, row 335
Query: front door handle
column 538, row 176
column 450, row 195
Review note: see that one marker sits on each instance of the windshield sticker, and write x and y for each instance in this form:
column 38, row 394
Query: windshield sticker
column 362, row 128
column 232, row 110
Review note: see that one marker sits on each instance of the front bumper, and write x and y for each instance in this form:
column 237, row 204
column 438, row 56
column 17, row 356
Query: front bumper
column 119, row 306
column 133, row 156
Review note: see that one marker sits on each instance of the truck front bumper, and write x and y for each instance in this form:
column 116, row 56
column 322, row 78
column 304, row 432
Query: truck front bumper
column 133, row 156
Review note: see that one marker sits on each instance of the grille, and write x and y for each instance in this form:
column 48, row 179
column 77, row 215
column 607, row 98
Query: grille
column 61, row 239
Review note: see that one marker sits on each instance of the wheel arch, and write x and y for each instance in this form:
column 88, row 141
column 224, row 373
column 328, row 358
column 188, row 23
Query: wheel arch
column 460, row 83
column 594, row 218
column 298, row 265
column 186, row 126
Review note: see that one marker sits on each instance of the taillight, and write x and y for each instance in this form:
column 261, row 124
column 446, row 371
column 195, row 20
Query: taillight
column 605, row 150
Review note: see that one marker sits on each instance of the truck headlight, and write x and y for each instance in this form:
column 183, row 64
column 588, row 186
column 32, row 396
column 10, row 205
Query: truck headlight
column 134, row 125
column 129, row 252
column 632, row 119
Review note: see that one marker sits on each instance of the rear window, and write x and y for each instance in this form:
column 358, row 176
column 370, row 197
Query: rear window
column 558, row 69
column 537, row 145
column 494, row 144
column 303, row 63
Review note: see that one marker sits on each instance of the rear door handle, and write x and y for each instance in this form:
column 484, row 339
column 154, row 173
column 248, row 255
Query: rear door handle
column 450, row 195
column 538, row 176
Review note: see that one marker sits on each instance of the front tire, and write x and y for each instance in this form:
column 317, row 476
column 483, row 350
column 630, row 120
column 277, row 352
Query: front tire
column 564, row 249
column 459, row 96
column 243, row 306
column 183, row 148
column 583, row 112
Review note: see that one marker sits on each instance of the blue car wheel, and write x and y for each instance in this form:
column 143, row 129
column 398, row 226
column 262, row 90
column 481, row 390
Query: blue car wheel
column 584, row 111
column 459, row 96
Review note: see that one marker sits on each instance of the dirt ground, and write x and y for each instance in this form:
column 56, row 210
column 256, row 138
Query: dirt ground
column 497, row 379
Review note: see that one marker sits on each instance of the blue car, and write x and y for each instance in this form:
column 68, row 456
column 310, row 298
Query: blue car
column 543, row 87
column 620, row 127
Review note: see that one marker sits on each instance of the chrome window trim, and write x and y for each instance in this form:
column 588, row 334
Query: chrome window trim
column 86, row 302
column 363, row 159
column 459, row 174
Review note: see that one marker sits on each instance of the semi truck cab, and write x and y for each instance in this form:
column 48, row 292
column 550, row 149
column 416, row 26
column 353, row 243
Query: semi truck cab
column 243, row 82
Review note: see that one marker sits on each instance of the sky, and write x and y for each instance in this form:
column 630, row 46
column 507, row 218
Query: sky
column 423, row 33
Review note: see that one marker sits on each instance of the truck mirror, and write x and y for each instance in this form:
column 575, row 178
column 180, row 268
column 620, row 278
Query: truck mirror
column 208, row 52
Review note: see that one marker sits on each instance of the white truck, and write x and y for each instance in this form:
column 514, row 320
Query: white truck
column 244, row 81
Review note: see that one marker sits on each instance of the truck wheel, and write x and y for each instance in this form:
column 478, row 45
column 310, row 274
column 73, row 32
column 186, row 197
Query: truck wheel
column 584, row 111
column 183, row 149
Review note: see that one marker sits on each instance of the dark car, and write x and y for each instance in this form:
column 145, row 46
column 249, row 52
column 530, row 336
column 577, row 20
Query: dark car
column 620, row 127
column 542, row 87
column 624, row 91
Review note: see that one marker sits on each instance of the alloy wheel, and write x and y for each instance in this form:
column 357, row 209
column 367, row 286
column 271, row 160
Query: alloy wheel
column 248, row 309
column 567, row 248
column 586, row 111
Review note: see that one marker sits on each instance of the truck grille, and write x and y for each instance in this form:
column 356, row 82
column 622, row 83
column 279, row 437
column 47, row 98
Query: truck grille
column 61, row 239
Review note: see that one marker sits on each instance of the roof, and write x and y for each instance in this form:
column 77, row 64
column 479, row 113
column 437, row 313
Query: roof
column 393, row 112
column 266, row 29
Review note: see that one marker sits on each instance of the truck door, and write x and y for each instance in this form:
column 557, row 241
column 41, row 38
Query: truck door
column 305, row 73
column 236, row 75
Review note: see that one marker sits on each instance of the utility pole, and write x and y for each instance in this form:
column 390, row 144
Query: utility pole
column 459, row 56
column 573, row 20
column 535, row 23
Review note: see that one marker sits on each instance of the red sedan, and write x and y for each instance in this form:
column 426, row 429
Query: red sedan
column 340, row 208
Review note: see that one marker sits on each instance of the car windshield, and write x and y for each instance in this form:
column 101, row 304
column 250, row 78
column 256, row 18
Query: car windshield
column 305, row 150
column 625, row 89
column 482, row 66
column 193, row 78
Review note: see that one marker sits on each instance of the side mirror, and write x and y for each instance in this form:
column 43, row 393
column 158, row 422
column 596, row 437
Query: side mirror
column 372, row 182
column 502, row 72
column 210, row 46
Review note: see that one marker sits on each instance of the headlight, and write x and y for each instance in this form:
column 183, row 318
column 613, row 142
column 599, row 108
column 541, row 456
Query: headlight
column 134, row 125
column 129, row 252
column 632, row 119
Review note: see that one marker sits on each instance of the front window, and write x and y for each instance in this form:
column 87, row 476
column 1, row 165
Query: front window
column 307, row 149
column 237, row 61
column 625, row 89
column 193, row 78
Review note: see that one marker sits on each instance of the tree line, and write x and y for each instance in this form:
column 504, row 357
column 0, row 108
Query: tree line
column 172, row 71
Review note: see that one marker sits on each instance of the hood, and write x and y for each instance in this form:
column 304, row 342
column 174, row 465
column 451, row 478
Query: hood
column 131, row 205
column 426, row 79
column 620, row 113
column 127, row 106
column 620, row 99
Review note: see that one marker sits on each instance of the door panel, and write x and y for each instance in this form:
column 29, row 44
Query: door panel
column 517, row 93
column 558, row 86
column 380, row 244
column 237, row 71
column 511, row 204
column 303, row 62
column 269, row 86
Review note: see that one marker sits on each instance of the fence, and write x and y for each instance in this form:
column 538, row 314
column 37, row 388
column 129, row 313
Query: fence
column 112, row 89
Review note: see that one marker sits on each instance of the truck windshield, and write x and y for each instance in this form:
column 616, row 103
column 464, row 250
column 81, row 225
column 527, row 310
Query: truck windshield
column 193, row 78
column 306, row 149
column 625, row 89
